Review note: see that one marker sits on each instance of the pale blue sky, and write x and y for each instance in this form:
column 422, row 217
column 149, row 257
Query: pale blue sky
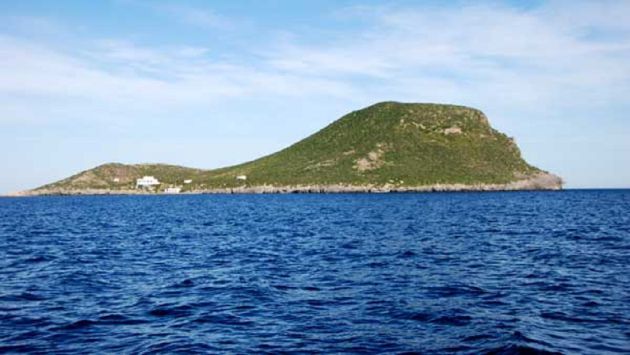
column 211, row 83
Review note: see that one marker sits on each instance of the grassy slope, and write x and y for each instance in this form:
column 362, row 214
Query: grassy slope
column 403, row 144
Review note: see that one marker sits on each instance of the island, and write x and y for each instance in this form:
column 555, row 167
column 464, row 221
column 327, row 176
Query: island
column 386, row 147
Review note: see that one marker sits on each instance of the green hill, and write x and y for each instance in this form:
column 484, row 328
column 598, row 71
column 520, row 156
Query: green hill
column 390, row 146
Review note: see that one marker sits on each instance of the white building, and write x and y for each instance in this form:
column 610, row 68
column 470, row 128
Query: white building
column 187, row 181
column 241, row 177
column 172, row 190
column 147, row 181
column 116, row 180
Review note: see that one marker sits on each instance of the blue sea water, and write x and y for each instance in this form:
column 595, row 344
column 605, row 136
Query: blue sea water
column 500, row 273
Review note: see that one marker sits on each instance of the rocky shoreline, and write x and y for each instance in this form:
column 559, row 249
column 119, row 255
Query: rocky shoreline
column 541, row 181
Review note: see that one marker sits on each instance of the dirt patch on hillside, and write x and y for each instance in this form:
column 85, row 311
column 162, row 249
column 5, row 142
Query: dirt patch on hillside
column 87, row 177
column 322, row 164
column 453, row 130
column 373, row 160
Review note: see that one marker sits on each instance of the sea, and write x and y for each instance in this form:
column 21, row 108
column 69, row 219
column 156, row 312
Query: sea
column 429, row 273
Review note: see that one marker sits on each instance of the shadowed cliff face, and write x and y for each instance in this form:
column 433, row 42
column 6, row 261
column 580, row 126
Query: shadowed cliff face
column 385, row 147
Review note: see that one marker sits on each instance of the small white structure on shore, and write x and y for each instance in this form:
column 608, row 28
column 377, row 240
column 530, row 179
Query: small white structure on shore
column 241, row 177
column 188, row 181
column 172, row 190
column 116, row 180
column 147, row 181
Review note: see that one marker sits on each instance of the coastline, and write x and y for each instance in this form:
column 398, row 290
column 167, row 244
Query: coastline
column 542, row 181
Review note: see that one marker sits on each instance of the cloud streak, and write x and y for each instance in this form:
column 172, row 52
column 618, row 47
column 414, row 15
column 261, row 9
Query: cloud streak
column 122, row 73
column 477, row 52
column 202, row 18
column 540, row 54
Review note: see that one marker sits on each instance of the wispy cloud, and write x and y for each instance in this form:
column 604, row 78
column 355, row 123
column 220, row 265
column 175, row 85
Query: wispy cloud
column 136, row 77
column 193, row 16
column 486, row 50
column 475, row 54
column 35, row 25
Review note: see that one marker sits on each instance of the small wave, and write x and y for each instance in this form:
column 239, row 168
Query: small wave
column 478, row 337
column 560, row 287
column 168, row 311
column 451, row 318
column 515, row 349
column 456, row 349
column 456, row 320
column 227, row 319
column 351, row 245
column 83, row 323
column 420, row 317
column 407, row 254
column 591, row 304
column 377, row 264
column 562, row 317
column 519, row 337
column 185, row 283
column 24, row 296
column 179, row 347
column 19, row 349
column 318, row 302
column 119, row 319
column 37, row 259
column 455, row 290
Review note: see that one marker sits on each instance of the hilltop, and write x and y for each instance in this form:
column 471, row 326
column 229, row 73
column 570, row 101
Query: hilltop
column 388, row 146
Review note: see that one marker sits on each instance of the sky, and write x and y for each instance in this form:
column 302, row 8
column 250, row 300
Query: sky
column 212, row 83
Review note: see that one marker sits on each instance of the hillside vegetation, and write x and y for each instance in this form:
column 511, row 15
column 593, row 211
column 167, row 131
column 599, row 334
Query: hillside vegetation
column 394, row 144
